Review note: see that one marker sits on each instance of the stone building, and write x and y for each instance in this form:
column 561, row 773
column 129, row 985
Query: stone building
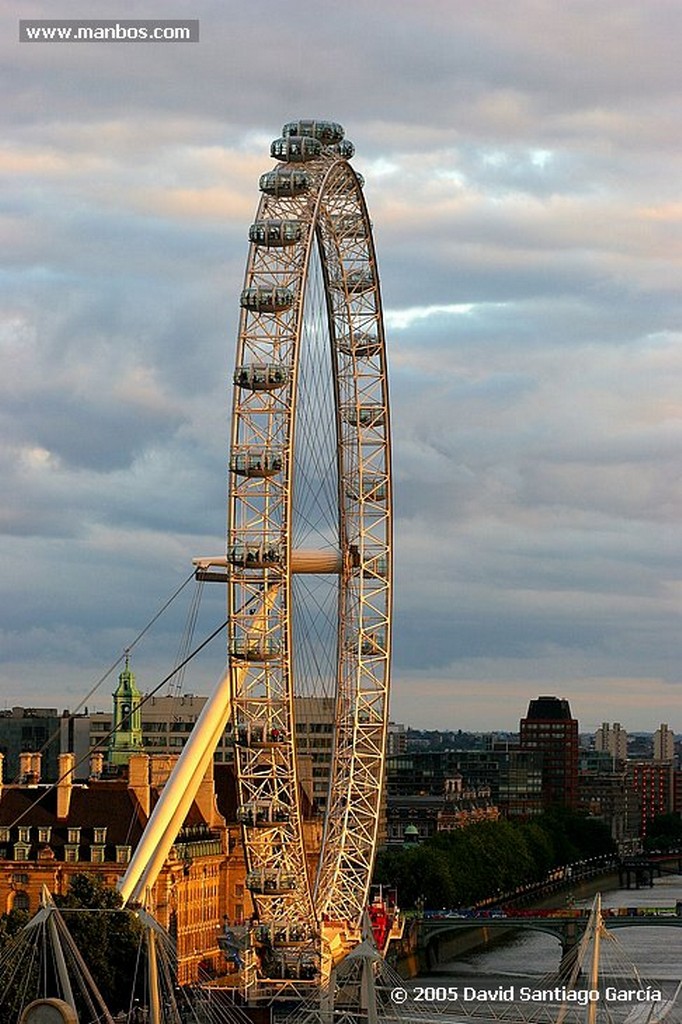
column 50, row 832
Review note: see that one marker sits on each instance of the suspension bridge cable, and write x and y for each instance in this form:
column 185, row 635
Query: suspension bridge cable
column 107, row 736
column 118, row 661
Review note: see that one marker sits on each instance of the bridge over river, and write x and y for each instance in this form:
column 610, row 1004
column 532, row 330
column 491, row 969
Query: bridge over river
column 568, row 926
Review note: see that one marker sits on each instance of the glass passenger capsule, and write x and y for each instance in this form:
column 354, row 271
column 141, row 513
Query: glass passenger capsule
column 296, row 149
column 276, row 233
column 270, row 882
column 373, row 488
column 373, row 644
column 284, row 181
column 326, row 132
column 365, row 415
column 266, row 299
column 255, row 555
column 289, row 933
column 345, row 149
column 258, row 734
column 254, row 648
column 377, row 566
column 291, row 968
column 262, row 813
column 349, row 225
column 360, row 344
column 261, row 376
column 256, row 462
column 358, row 281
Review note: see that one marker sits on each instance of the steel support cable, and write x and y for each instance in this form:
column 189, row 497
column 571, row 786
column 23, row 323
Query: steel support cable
column 175, row 687
column 105, row 739
column 112, row 668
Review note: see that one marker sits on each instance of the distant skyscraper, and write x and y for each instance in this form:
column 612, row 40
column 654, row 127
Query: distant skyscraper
column 664, row 743
column 613, row 739
column 549, row 729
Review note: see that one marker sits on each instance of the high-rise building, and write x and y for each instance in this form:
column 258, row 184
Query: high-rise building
column 550, row 729
column 664, row 743
column 653, row 783
column 613, row 740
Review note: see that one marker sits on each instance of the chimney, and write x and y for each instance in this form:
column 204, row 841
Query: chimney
column 161, row 766
column 206, row 799
column 138, row 781
column 67, row 764
column 96, row 764
column 25, row 768
column 36, row 763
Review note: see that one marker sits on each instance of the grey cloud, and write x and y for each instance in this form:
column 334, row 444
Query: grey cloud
column 511, row 168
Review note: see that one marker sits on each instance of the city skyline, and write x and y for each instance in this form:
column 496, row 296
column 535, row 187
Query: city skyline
column 524, row 191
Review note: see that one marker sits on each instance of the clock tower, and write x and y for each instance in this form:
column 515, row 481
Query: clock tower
column 127, row 738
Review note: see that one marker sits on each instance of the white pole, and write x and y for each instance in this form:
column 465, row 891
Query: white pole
column 155, row 864
column 178, row 792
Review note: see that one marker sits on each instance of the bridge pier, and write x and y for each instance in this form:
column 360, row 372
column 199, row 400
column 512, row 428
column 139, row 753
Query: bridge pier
column 571, row 935
column 641, row 872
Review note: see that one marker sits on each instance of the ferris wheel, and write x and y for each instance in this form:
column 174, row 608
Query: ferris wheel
column 309, row 530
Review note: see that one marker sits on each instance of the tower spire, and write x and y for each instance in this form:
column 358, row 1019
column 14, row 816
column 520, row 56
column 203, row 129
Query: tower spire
column 127, row 737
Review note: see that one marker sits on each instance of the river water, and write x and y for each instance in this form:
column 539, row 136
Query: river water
column 530, row 960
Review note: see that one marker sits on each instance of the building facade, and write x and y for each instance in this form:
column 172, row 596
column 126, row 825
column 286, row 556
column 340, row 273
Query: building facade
column 653, row 781
column 664, row 744
column 50, row 833
column 30, row 730
column 551, row 731
column 613, row 740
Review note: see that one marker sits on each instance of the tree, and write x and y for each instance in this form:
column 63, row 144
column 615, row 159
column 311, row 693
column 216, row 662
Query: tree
column 108, row 940
column 664, row 832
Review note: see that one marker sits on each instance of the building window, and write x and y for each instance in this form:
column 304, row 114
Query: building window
column 239, row 891
column 21, row 851
column 97, row 854
column 74, row 835
column 24, row 833
column 4, row 835
column 122, row 854
column 71, row 854
column 19, row 879
column 100, row 835
column 21, row 901
column 45, row 834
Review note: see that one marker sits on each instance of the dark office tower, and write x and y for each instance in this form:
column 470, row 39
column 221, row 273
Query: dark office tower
column 549, row 729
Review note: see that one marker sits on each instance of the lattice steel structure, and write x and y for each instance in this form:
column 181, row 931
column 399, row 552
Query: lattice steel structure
column 310, row 496
column 308, row 564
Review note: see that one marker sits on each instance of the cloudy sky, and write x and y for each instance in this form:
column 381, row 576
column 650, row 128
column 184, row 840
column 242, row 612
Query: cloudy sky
column 523, row 172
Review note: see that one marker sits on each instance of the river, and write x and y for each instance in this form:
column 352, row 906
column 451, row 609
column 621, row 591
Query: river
column 530, row 960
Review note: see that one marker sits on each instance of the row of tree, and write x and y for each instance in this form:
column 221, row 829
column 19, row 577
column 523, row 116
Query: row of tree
column 464, row 867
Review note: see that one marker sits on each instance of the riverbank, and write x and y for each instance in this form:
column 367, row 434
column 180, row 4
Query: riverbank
column 411, row 962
